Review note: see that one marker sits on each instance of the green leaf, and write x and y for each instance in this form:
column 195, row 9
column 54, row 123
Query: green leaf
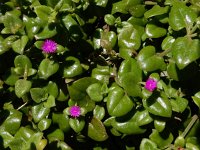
column 129, row 37
column 163, row 139
column 94, row 92
column 142, row 117
column 77, row 124
column 155, row 11
column 96, row 130
column 158, row 105
column 99, row 112
column 101, row 3
column 12, row 22
column 148, row 61
column 19, row 45
column 22, row 61
column 56, row 135
column 62, row 120
column 77, row 90
column 12, row 122
column 128, row 125
column 44, row 124
column 43, row 12
column 7, row 138
column 167, row 43
column 153, row 31
column 47, row 68
column 50, row 102
column 101, row 73
column 159, row 125
column 48, row 31
column 72, row 67
column 52, row 89
column 196, row 99
column 179, row 104
column 185, row 51
column 32, row 26
column 118, row 103
column 39, row 112
column 22, row 87
column 181, row 16
column 147, row 144
column 38, row 94
column 130, row 76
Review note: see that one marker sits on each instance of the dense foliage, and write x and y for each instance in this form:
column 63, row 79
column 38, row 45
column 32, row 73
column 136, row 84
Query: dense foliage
column 99, row 74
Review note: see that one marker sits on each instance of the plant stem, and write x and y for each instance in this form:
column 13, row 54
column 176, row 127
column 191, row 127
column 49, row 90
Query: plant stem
column 192, row 122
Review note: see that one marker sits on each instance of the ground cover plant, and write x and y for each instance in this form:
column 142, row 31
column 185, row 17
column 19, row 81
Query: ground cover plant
column 99, row 74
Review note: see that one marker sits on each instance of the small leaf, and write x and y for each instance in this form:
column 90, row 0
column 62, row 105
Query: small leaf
column 148, row 144
column 19, row 45
column 47, row 68
column 96, row 130
column 22, row 87
column 153, row 31
column 38, row 94
column 77, row 124
column 118, row 103
column 39, row 112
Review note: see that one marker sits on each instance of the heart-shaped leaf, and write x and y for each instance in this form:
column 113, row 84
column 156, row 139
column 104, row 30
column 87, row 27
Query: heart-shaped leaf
column 158, row 105
column 181, row 16
column 47, row 68
column 77, row 124
column 39, row 112
column 185, row 51
column 96, row 130
column 22, row 87
column 118, row 103
column 148, row 61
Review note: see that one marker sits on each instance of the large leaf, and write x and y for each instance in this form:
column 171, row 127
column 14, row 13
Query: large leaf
column 158, row 105
column 185, row 51
column 181, row 16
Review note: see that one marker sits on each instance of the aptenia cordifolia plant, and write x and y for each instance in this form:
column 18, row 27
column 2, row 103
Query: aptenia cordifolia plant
column 99, row 74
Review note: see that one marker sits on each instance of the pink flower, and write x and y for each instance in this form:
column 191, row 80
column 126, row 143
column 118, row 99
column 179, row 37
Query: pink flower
column 75, row 111
column 151, row 84
column 49, row 46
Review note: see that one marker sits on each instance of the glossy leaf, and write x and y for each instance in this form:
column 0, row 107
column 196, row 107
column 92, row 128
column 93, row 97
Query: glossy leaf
column 62, row 121
column 158, row 105
column 118, row 103
column 44, row 124
column 155, row 11
column 19, row 45
column 148, row 144
column 181, row 16
column 153, row 31
column 39, row 112
column 77, row 124
column 161, row 139
column 101, row 73
column 22, row 87
column 96, row 130
column 179, row 104
column 94, row 91
column 47, row 68
column 185, row 51
column 72, row 67
column 99, row 112
column 148, row 61
column 56, row 135
column 38, row 94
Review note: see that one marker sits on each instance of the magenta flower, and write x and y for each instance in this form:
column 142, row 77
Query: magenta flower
column 49, row 46
column 151, row 84
column 75, row 111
